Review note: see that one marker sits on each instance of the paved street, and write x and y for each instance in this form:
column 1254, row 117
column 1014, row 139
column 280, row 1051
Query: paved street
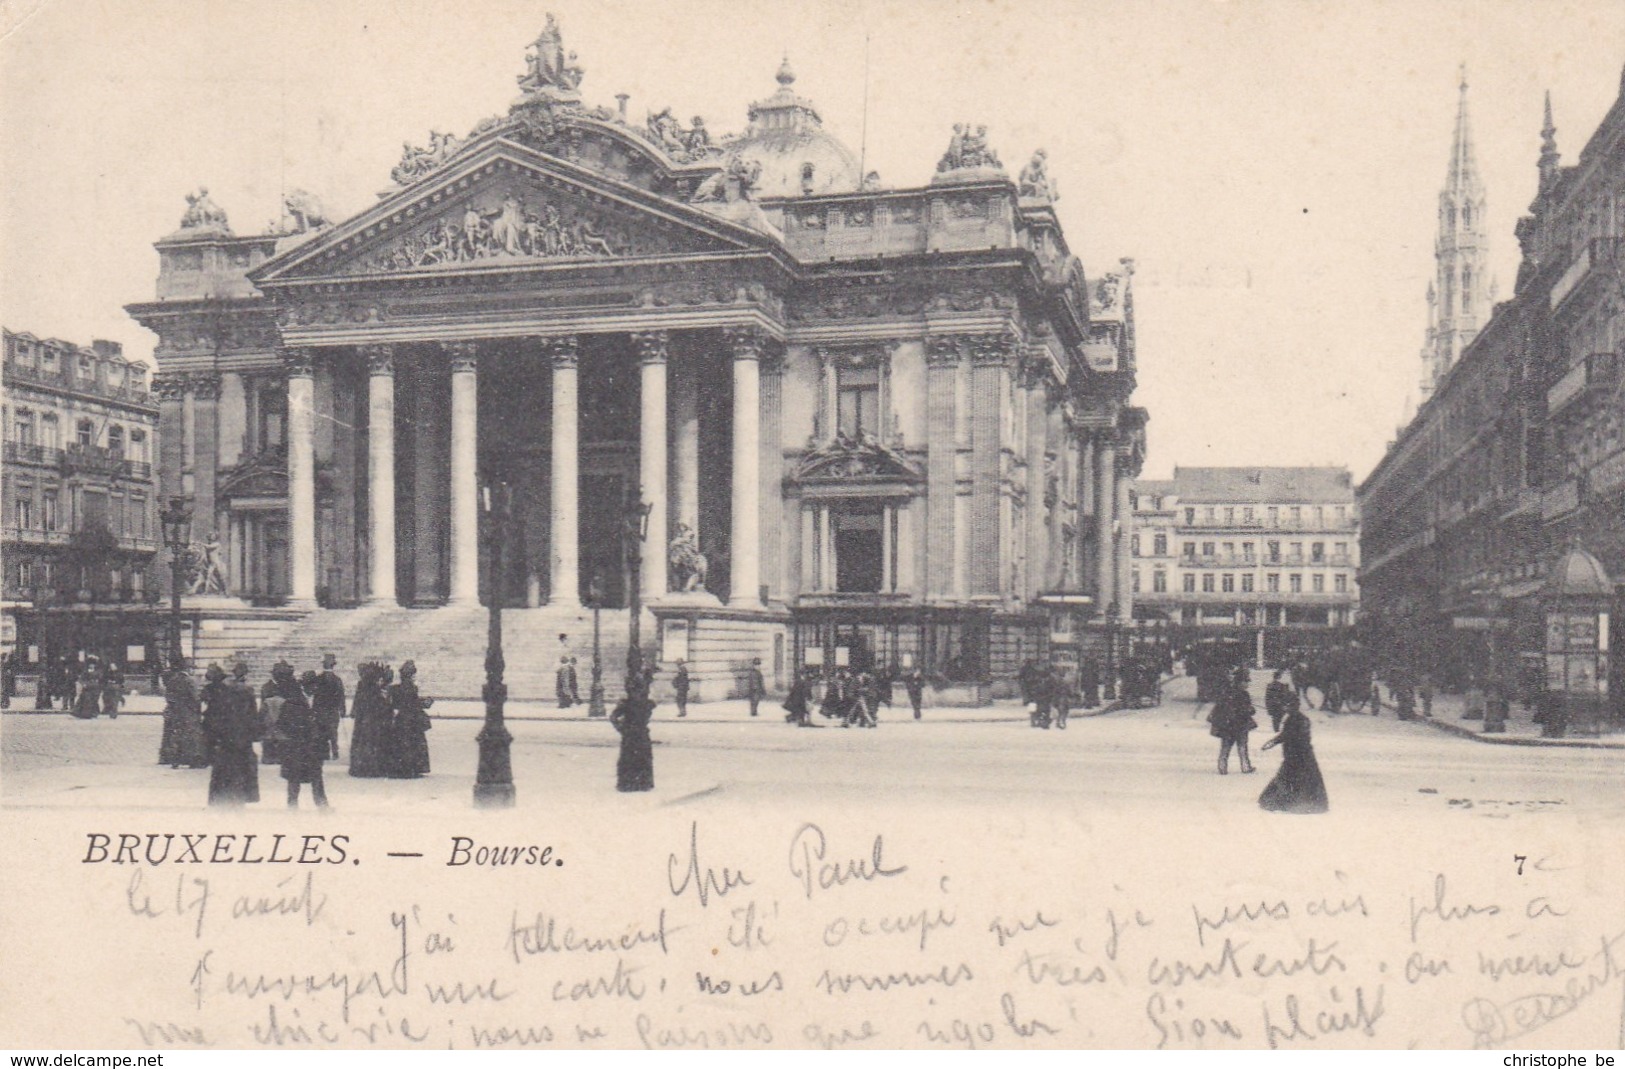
column 1142, row 760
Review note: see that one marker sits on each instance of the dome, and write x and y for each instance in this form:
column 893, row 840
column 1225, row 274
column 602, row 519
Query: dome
column 798, row 157
column 1579, row 575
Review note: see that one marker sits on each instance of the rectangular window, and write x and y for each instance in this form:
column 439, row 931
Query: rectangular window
column 1297, row 551
column 1207, row 549
column 1272, row 582
column 1246, row 584
column 138, row 506
column 1207, row 583
column 1274, row 556
column 1134, row 546
column 1159, row 545
column 1190, row 517
column 1275, row 516
column 1229, row 517
column 48, row 510
column 1342, row 515
column 1247, row 551
column 1295, row 583
column 1317, row 552
column 1320, row 516
column 1133, row 501
column 1209, row 515
column 1341, row 584
column 25, row 512
column 1247, row 514
column 1134, row 579
column 1190, row 550
column 1297, row 514
column 1229, row 584
column 1229, row 549
column 1190, row 583
column 1159, row 582
column 1317, row 583
column 25, row 574
column 858, row 401
column 24, row 428
column 1342, row 549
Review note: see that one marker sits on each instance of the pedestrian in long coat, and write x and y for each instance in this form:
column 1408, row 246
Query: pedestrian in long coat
column 1279, row 699
column 833, row 703
column 327, row 702
column 755, row 686
column 369, row 740
column 796, row 702
column 1060, row 696
column 1297, row 786
column 1232, row 720
column 574, row 682
column 561, row 683
column 914, row 684
column 231, row 724
column 270, row 709
column 679, row 686
column 1089, row 683
column 410, row 727
column 1037, row 695
column 87, row 705
column 182, row 742
column 304, row 738
column 112, row 690
column 635, row 768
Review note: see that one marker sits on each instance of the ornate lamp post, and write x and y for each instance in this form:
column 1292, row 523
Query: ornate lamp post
column 177, row 522
column 634, row 529
column 493, row 784
column 595, row 697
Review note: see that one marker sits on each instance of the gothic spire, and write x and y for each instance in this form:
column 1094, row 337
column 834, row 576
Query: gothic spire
column 1463, row 177
column 1548, row 149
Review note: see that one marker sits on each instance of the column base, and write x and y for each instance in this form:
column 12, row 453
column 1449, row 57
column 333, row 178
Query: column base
column 302, row 604
column 389, row 601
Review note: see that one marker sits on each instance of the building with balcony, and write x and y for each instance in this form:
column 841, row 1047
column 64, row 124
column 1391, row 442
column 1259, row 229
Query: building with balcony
column 1247, row 548
column 1520, row 451
column 78, row 494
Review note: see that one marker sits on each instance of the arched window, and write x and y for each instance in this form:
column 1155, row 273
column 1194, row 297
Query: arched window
column 1467, row 289
column 806, row 178
column 85, row 433
column 1467, row 217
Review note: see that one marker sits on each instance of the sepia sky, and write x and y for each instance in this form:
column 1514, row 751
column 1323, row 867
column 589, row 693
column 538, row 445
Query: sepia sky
column 1272, row 167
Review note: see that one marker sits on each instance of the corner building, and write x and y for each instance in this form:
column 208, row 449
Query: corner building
column 887, row 418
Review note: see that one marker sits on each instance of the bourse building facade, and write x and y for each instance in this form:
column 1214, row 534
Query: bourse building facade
column 871, row 424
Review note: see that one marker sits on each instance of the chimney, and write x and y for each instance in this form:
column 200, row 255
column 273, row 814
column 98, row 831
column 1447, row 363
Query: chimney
column 107, row 350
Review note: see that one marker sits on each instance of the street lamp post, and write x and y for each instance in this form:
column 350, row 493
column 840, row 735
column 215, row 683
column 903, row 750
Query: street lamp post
column 177, row 522
column 493, row 784
column 595, row 697
column 634, row 529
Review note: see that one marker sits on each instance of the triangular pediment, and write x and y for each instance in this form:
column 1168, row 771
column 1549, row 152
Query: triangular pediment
column 504, row 205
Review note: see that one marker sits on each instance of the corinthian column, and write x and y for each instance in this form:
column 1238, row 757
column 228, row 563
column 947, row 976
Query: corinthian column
column 1125, row 562
column 381, row 469
column 1105, row 546
column 465, row 500
column 652, row 457
column 745, row 578
column 301, row 475
column 566, row 582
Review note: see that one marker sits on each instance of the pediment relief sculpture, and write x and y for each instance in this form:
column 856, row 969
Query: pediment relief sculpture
column 512, row 226
column 861, row 458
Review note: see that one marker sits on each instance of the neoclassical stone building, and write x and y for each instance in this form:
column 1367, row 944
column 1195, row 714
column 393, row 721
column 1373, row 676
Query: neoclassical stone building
column 888, row 418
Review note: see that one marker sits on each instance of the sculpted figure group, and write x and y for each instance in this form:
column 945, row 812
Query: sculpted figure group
column 513, row 229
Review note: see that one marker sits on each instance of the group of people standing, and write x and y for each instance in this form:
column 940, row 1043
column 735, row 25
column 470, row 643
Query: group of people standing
column 1298, row 786
column 87, row 690
column 850, row 697
column 295, row 722
column 1046, row 694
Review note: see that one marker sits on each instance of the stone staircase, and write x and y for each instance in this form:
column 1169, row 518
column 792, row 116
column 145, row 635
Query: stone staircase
column 448, row 645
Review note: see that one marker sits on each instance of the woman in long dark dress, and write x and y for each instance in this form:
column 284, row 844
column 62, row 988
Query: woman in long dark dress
column 369, row 741
column 230, row 726
column 182, row 742
column 304, row 738
column 409, row 737
column 1298, row 786
column 88, row 704
column 635, row 770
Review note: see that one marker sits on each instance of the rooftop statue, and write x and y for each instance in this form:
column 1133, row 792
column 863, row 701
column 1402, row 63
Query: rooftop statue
column 201, row 212
column 968, row 149
column 1035, row 179
column 302, row 212
column 547, row 65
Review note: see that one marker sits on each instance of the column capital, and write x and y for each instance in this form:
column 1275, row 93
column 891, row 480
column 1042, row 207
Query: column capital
column 943, row 350
column 299, row 361
column 746, row 343
column 463, row 355
column 205, row 385
column 380, row 358
column 563, row 350
column 771, row 357
column 171, row 387
column 651, row 345
column 994, row 348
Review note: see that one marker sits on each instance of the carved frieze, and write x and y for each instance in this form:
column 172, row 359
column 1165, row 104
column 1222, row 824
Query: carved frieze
column 330, row 313
column 862, row 459
column 518, row 226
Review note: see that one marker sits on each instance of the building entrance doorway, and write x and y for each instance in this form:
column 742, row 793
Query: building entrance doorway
column 859, row 549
